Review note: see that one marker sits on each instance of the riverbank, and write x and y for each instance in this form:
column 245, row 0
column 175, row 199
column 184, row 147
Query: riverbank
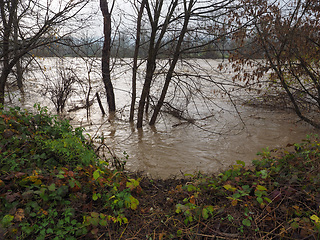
column 54, row 186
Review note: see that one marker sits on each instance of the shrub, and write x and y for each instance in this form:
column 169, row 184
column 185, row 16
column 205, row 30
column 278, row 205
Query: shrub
column 40, row 140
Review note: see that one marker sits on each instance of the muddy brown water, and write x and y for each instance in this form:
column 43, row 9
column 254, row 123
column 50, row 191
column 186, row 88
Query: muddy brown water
column 173, row 147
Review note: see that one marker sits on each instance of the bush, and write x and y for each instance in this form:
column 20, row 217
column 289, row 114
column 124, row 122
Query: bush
column 40, row 140
column 52, row 184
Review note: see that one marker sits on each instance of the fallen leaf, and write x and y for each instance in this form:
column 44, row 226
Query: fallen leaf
column 161, row 236
column 19, row 174
column 234, row 202
column 12, row 197
column 192, row 200
column 19, row 215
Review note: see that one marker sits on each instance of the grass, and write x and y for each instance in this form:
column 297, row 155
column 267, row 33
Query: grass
column 53, row 185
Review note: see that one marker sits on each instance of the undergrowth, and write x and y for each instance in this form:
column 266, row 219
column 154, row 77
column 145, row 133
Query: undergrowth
column 54, row 186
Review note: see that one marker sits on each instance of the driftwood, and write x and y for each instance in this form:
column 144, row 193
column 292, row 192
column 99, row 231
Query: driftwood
column 177, row 113
column 76, row 108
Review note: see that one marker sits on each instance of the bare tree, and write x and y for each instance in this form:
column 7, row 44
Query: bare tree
column 38, row 24
column 175, row 30
column 156, row 38
column 135, row 60
column 60, row 89
column 106, row 53
column 19, row 70
column 187, row 14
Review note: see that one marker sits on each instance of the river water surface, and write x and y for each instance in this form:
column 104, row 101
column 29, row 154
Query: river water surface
column 218, row 137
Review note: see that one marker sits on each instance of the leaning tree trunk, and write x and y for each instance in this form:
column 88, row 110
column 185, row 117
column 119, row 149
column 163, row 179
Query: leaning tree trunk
column 154, row 46
column 151, row 65
column 173, row 64
column 106, row 55
column 146, row 87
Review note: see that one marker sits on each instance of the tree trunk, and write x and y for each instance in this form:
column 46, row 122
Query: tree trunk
column 146, row 86
column 2, row 89
column 7, row 26
column 16, row 46
column 135, row 62
column 106, row 55
column 7, row 23
column 173, row 64
column 277, row 67
column 154, row 47
column 151, row 64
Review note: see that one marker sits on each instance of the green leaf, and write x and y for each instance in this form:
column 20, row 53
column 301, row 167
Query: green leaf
column 246, row 222
column 190, row 188
column 6, row 220
column 315, row 218
column 71, row 183
column 95, row 196
column 96, row 174
column 210, row 209
column 259, row 200
column 103, row 222
column 241, row 163
column 27, row 229
column 133, row 203
column 264, row 174
column 294, row 225
column 52, row 187
column 261, row 188
column 236, row 195
column 267, row 199
column 229, row 187
column 94, row 221
column 78, row 183
column 125, row 220
column 132, row 183
column 95, row 214
column 178, row 208
column 205, row 214
column 258, row 193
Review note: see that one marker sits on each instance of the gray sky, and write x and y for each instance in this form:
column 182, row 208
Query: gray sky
column 96, row 25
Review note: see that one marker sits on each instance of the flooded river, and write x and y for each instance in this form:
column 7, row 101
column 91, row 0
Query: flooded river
column 218, row 137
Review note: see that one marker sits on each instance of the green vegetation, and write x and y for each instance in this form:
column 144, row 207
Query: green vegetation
column 54, row 186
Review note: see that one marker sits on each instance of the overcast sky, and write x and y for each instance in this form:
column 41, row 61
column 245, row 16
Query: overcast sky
column 96, row 26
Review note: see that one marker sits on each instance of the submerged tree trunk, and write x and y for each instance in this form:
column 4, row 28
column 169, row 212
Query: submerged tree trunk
column 106, row 55
column 19, row 69
column 154, row 46
column 146, row 87
column 2, row 88
column 151, row 63
column 135, row 61
column 7, row 23
column 173, row 63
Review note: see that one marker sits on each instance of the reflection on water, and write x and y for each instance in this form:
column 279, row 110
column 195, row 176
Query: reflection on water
column 174, row 147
